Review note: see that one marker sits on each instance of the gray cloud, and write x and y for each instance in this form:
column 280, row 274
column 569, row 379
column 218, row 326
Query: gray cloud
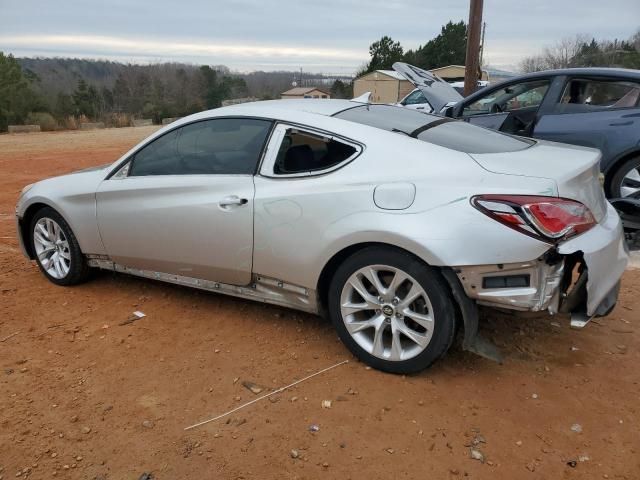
column 329, row 36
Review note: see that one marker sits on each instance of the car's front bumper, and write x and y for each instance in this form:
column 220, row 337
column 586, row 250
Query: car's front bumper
column 580, row 276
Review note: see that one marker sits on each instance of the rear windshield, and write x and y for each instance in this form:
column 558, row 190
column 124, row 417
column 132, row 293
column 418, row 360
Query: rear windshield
column 445, row 132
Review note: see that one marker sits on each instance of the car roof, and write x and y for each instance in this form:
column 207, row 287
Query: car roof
column 587, row 71
column 290, row 110
column 318, row 106
column 618, row 73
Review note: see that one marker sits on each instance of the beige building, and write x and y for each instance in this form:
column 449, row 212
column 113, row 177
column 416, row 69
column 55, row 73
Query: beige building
column 305, row 92
column 455, row 73
column 386, row 86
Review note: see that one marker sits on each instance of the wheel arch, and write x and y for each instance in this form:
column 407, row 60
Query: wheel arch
column 334, row 262
column 25, row 222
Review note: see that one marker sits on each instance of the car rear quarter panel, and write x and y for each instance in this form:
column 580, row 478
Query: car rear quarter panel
column 300, row 224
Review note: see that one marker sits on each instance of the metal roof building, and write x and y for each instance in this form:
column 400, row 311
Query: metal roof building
column 305, row 92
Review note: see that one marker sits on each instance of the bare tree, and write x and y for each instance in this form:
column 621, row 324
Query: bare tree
column 534, row 63
column 635, row 40
column 559, row 55
column 563, row 52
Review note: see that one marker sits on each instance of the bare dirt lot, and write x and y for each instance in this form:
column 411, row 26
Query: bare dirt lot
column 83, row 397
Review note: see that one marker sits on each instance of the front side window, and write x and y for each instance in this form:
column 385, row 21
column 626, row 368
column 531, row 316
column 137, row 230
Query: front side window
column 306, row 152
column 514, row 97
column 210, row 147
column 589, row 95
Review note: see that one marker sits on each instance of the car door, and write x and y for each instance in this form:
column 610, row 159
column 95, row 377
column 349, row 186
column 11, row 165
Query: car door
column 291, row 200
column 599, row 112
column 512, row 108
column 183, row 203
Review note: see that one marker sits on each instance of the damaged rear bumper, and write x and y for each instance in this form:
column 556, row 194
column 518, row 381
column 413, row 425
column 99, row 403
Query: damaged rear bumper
column 580, row 276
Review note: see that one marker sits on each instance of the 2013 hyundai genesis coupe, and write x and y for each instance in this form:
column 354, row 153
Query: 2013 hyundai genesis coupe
column 395, row 223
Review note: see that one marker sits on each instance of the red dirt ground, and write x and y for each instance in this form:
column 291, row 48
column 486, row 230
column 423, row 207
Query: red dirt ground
column 82, row 397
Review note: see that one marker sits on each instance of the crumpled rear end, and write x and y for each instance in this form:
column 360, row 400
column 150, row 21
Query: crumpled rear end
column 580, row 276
column 606, row 256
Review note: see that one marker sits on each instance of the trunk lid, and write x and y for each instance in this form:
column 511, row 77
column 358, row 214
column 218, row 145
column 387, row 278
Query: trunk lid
column 436, row 90
column 574, row 169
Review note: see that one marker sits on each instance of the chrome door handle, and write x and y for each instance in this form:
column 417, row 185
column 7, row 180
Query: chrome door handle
column 232, row 200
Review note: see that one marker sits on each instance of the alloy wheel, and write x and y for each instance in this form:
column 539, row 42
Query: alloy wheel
column 387, row 312
column 630, row 186
column 52, row 248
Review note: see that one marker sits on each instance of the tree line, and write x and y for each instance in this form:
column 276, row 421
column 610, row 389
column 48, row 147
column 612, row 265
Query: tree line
column 60, row 93
column 155, row 92
column 582, row 51
column 447, row 48
column 152, row 96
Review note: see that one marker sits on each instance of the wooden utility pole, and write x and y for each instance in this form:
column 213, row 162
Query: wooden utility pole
column 484, row 30
column 472, row 62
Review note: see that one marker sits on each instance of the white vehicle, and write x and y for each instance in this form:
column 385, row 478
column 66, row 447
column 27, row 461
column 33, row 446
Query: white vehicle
column 416, row 101
column 395, row 223
column 459, row 86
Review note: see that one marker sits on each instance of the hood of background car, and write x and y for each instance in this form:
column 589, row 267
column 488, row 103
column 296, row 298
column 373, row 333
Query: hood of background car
column 437, row 91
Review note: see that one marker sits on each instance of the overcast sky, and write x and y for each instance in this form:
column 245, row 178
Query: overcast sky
column 330, row 36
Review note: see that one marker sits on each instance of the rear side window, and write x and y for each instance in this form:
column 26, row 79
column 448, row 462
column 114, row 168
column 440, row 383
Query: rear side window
column 589, row 95
column 217, row 146
column 302, row 152
column 468, row 138
column 445, row 132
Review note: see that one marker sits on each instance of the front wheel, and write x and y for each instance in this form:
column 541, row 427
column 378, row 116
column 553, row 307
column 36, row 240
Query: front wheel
column 56, row 248
column 391, row 310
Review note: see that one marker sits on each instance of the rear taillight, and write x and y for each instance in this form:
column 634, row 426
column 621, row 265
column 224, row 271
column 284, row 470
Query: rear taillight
column 546, row 218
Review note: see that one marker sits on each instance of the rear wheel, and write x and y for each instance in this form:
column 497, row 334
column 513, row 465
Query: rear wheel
column 391, row 310
column 625, row 183
column 56, row 249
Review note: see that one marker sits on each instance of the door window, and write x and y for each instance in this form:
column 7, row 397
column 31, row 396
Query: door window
column 589, row 95
column 304, row 152
column 527, row 95
column 216, row 146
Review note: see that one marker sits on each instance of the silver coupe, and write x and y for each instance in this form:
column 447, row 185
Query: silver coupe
column 394, row 223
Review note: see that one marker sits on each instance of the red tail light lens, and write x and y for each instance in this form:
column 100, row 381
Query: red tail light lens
column 548, row 218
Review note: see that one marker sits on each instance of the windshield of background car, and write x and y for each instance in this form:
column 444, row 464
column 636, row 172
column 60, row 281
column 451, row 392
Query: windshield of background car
column 445, row 132
column 414, row 98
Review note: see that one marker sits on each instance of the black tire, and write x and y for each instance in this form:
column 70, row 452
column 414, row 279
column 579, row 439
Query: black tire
column 621, row 171
column 78, row 268
column 433, row 284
